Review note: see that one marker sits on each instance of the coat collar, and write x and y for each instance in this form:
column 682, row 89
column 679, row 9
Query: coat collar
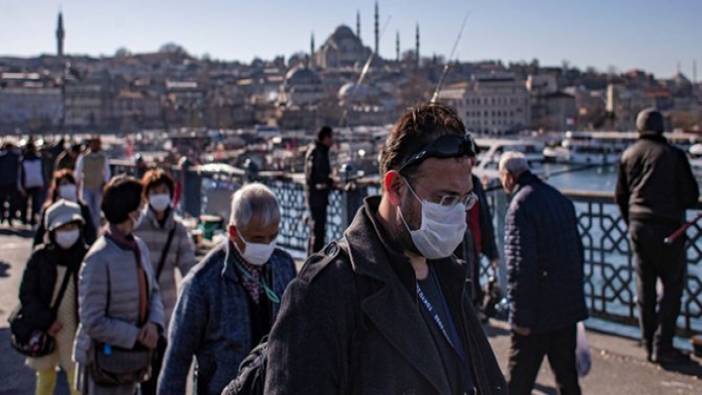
column 392, row 308
column 524, row 179
column 153, row 221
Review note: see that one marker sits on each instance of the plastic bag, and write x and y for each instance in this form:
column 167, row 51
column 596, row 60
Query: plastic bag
column 583, row 356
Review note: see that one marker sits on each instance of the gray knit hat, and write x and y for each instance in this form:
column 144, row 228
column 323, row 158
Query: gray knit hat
column 61, row 213
column 650, row 120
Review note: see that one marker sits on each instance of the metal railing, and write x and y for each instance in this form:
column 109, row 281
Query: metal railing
column 610, row 282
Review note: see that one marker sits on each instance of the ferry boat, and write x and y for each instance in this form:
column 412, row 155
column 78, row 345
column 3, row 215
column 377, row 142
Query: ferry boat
column 492, row 149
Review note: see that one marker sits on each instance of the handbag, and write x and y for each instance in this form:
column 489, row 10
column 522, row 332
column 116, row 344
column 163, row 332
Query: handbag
column 25, row 337
column 111, row 365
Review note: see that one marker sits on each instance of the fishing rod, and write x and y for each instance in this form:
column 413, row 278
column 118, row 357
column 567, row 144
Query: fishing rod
column 447, row 66
column 364, row 71
column 681, row 230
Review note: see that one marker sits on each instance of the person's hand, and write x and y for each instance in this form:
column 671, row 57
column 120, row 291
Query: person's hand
column 521, row 330
column 148, row 336
column 55, row 328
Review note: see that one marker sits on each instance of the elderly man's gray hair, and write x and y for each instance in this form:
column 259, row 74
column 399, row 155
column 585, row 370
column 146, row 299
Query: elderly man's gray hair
column 254, row 200
column 514, row 163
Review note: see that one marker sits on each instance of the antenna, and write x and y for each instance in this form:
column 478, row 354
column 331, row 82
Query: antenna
column 440, row 84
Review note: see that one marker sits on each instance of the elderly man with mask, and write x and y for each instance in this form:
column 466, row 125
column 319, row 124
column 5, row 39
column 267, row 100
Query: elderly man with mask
column 228, row 302
column 385, row 310
column 544, row 256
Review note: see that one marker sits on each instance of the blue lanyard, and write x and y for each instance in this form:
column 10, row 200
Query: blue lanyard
column 437, row 320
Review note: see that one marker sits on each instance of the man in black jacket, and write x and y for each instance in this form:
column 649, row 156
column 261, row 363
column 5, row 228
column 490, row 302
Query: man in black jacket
column 385, row 309
column 654, row 188
column 544, row 256
column 318, row 184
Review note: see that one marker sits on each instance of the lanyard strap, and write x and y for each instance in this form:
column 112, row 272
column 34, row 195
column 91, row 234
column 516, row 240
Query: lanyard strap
column 434, row 314
column 437, row 320
column 270, row 293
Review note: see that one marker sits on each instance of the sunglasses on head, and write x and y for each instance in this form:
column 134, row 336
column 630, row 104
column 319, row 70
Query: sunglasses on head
column 446, row 146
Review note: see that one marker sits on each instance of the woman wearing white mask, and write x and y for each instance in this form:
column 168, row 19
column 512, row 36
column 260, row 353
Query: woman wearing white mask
column 170, row 247
column 63, row 186
column 51, row 309
column 121, row 315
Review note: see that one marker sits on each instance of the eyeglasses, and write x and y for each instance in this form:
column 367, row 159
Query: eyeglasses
column 446, row 146
column 449, row 200
column 469, row 201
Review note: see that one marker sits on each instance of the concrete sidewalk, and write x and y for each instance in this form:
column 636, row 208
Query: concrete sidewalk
column 619, row 365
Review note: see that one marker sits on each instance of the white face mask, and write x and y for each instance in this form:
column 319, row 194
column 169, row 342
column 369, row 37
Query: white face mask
column 160, row 201
column 68, row 192
column 441, row 231
column 67, row 238
column 257, row 254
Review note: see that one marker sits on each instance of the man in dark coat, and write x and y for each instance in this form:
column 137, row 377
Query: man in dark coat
column 654, row 188
column 9, row 182
column 318, row 184
column 385, row 309
column 544, row 256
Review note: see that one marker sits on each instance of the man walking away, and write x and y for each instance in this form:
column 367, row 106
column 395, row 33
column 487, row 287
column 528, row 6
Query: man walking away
column 654, row 188
column 318, row 184
column 92, row 173
column 9, row 182
column 32, row 183
column 544, row 256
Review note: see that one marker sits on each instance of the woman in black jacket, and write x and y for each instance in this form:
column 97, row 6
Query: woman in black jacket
column 63, row 186
column 48, row 265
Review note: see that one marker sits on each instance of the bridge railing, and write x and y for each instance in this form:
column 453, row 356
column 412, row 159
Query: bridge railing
column 610, row 281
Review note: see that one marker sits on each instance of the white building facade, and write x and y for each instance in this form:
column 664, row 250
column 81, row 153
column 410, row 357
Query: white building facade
column 490, row 104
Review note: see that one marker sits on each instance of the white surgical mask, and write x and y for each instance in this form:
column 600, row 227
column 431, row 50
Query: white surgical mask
column 68, row 192
column 160, row 201
column 67, row 238
column 441, row 231
column 257, row 254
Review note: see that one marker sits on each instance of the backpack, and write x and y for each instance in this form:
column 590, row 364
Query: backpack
column 251, row 378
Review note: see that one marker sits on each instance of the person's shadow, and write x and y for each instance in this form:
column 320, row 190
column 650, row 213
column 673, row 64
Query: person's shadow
column 691, row 368
column 16, row 232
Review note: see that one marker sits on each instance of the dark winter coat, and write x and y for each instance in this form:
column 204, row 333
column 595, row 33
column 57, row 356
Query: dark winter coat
column 544, row 256
column 39, row 280
column 350, row 323
column 655, row 182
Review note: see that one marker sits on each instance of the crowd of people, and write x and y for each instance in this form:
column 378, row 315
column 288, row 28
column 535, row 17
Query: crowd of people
column 393, row 306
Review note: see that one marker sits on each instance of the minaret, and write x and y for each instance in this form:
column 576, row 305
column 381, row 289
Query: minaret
column 397, row 46
column 377, row 28
column 358, row 24
column 416, row 50
column 60, row 34
column 312, row 51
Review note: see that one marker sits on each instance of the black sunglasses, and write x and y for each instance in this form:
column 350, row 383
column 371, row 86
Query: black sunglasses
column 446, row 146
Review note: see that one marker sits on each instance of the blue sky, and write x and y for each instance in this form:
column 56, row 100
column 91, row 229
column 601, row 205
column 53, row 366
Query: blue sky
column 653, row 35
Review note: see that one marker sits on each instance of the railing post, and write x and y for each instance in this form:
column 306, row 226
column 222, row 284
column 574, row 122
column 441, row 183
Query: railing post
column 192, row 192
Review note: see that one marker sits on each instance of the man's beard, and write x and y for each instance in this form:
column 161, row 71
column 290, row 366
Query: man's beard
column 410, row 212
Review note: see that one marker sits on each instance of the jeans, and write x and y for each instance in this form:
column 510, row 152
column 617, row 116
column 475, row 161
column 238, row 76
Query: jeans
column 653, row 260
column 93, row 198
column 32, row 200
column 527, row 353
